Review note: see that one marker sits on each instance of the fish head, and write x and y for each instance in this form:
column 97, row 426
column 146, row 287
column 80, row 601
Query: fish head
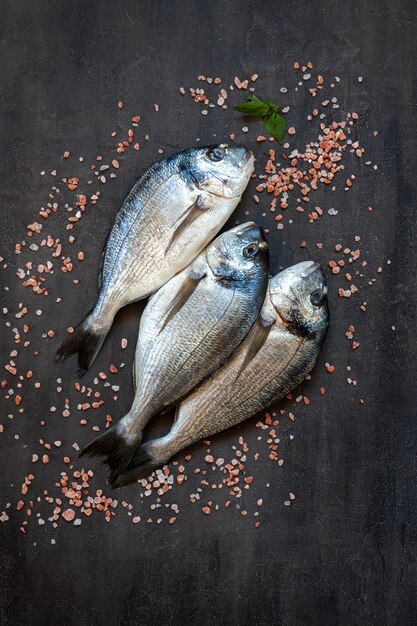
column 220, row 170
column 240, row 253
column 299, row 298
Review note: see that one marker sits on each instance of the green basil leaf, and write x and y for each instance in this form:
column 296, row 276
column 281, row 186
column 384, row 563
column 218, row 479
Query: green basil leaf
column 273, row 119
column 253, row 107
column 275, row 124
column 272, row 106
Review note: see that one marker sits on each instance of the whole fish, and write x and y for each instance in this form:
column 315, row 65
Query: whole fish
column 171, row 213
column 188, row 329
column 277, row 354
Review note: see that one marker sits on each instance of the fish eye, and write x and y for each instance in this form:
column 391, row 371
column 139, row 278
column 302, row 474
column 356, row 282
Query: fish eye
column 250, row 250
column 318, row 297
column 216, row 154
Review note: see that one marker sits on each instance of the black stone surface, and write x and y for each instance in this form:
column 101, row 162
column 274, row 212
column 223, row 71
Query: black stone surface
column 343, row 553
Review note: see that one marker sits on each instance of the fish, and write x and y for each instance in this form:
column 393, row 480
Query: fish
column 187, row 331
column 277, row 354
column 173, row 211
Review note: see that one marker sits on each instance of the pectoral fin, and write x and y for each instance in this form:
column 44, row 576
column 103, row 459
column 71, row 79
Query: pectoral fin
column 186, row 219
column 187, row 288
column 256, row 339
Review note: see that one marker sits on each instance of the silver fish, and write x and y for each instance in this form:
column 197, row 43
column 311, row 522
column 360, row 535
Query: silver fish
column 188, row 330
column 277, row 354
column 172, row 212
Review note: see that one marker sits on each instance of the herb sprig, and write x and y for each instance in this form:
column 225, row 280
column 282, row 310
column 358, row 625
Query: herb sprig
column 271, row 114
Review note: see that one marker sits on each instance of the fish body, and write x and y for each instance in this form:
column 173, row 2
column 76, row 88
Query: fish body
column 187, row 331
column 170, row 214
column 277, row 354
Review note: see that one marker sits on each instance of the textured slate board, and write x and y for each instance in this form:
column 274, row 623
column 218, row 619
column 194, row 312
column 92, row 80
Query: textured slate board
column 344, row 552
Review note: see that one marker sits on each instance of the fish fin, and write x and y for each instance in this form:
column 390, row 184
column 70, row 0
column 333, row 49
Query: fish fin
column 103, row 254
column 185, row 291
column 176, row 414
column 189, row 216
column 141, row 466
column 256, row 339
column 114, row 445
column 84, row 341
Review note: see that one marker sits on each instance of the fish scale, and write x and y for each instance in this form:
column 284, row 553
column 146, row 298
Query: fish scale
column 187, row 331
column 170, row 214
column 237, row 400
column 283, row 346
column 142, row 230
column 204, row 339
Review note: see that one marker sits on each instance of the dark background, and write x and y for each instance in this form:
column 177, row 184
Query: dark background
column 344, row 551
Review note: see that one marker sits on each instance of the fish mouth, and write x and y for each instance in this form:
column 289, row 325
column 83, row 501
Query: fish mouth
column 238, row 230
column 251, row 229
column 247, row 164
column 304, row 270
column 309, row 269
column 247, row 157
column 233, row 184
column 242, row 228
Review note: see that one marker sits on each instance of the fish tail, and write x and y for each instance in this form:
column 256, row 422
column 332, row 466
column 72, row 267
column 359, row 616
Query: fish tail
column 86, row 340
column 117, row 446
column 142, row 465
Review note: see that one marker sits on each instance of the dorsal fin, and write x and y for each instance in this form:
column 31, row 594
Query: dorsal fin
column 103, row 254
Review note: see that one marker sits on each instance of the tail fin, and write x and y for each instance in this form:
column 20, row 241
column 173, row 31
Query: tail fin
column 114, row 445
column 142, row 465
column 84, row 340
